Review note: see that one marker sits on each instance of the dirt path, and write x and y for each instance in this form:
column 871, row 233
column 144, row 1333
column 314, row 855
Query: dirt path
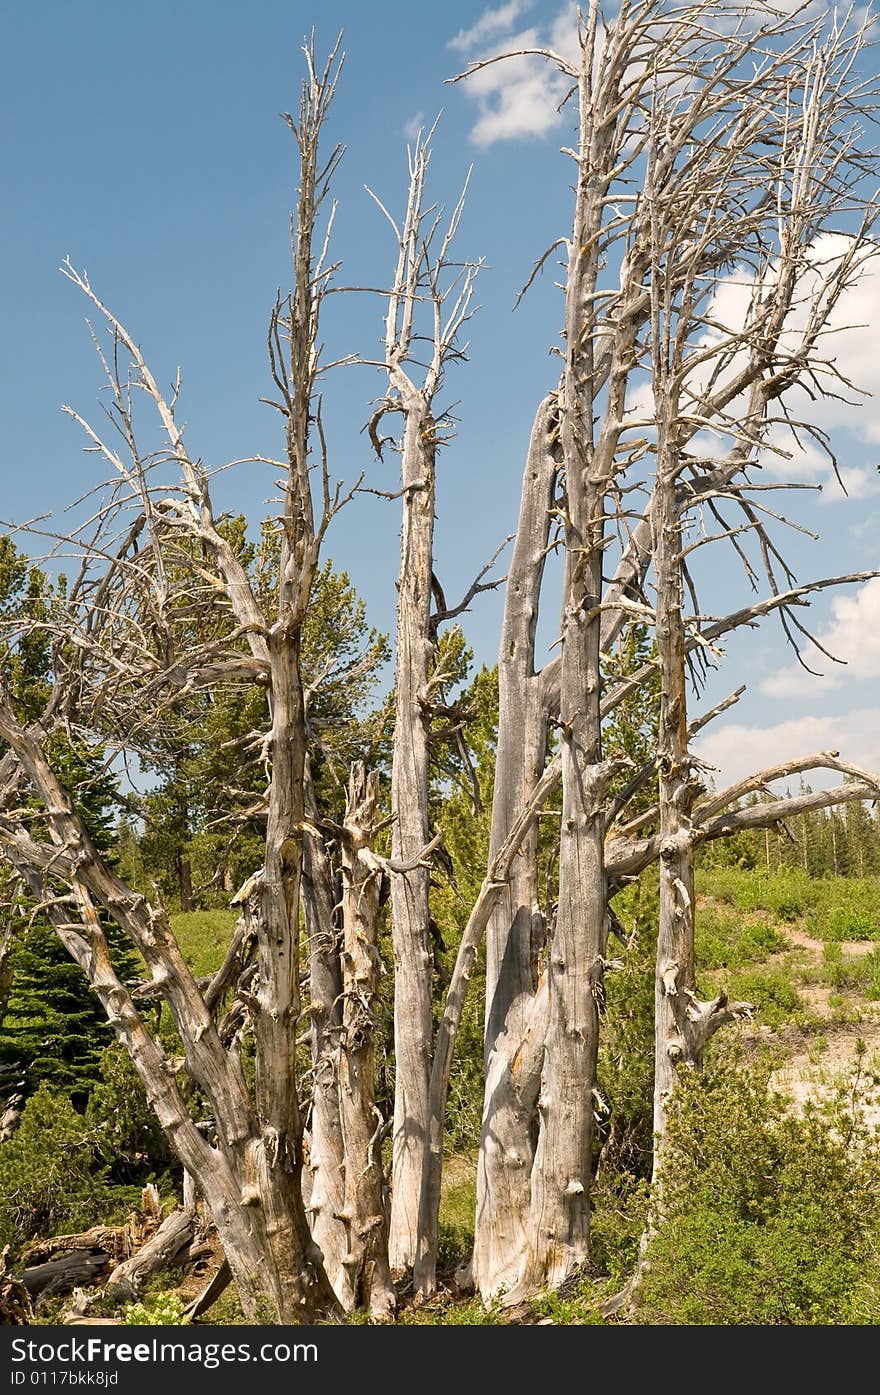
column 832, row 1058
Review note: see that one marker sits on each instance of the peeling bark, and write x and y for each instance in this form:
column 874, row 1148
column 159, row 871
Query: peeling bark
column 515, row 929
column 364, row 1210
column 413, row 961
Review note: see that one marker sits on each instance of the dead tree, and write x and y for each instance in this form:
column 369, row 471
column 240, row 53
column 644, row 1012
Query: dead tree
column 701, row 193
column 364, row 1210
column 116, row 655
column 426, row 283
column 709, row 165
column 660, row 418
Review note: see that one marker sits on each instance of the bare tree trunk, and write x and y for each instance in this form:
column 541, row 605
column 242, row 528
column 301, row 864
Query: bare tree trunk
column 429, row 277
column 257, row 1260
column 559, row 1218
column 674, row 977
column 515, row 932
column 413, row 961
column 325, row 1178
column 366, row 1261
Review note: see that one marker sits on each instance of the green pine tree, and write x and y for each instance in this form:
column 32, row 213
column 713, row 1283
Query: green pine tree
column 54, row 1029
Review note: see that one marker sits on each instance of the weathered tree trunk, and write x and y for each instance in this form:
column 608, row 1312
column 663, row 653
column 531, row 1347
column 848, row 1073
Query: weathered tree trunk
column 325, row 1177
column 682, row 1023
column 515, row 931
column 497, row 876
column 364, row 1213
column 674, row 973
column 413, row 961
column 558, row 1222
column 62, row 1275
column 128, row 1278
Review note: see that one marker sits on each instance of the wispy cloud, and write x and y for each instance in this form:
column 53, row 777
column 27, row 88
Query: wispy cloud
column 737, row 750
column 853, row 635
column 490, row 24
column 520, row 97
column 415, row 124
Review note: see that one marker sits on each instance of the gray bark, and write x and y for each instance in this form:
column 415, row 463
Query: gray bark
column 128, row 1278
column 364, row 1212
column 325, row 1177
column 515, row 929
column 413, row 962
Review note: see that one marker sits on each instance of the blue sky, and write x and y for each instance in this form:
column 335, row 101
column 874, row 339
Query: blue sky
column 145, row 142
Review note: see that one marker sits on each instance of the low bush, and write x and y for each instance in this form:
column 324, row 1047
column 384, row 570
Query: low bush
column 725, row 941
column 774, row 996
column 769, row 1217
column 52, row 1175
column 846, row 910
column 786, row 894
column 162, row 1310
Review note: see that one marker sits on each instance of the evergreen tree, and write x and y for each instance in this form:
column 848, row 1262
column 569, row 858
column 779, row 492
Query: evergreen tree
column 631, row 730
column 202, row 832
column 55, row 1030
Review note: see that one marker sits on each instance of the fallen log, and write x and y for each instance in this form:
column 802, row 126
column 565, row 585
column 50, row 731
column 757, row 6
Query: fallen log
column 65, row 1273
column 114, row 1239
column 173, row 1235
column 209, row 1295
column 119, row 1241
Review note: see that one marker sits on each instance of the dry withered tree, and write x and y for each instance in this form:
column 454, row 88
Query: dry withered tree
column 704, row 153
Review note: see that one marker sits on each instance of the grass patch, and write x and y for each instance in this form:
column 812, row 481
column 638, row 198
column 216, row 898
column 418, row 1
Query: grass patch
column 203, row 937
column 457, row 1209
column 786, row 895
column 832, row 908
column 859, row 973
column 846, row 910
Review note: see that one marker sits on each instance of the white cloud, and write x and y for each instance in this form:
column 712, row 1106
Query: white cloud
column 490, row 23
column 756, row 12
column 853, row 635
column 415, row 124
column 847, row 343
column 519, row 97
column 738, row 750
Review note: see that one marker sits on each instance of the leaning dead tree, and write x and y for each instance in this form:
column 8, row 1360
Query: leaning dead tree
column 713, row 165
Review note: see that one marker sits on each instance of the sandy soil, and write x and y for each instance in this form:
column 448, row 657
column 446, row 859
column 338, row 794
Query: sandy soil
column 830, row 1060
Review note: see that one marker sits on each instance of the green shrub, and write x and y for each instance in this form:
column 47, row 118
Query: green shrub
column 625, row 1074
column 163, row 1310
column 724, row 941
column 619, row 1214
column 457, row 1209
column 786, row 894
column 775, row 998
column 769, row 1217
column 833, row 908
column 126, row 1129
column 846, row 910
column 204, row 937
column 52, row 1177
